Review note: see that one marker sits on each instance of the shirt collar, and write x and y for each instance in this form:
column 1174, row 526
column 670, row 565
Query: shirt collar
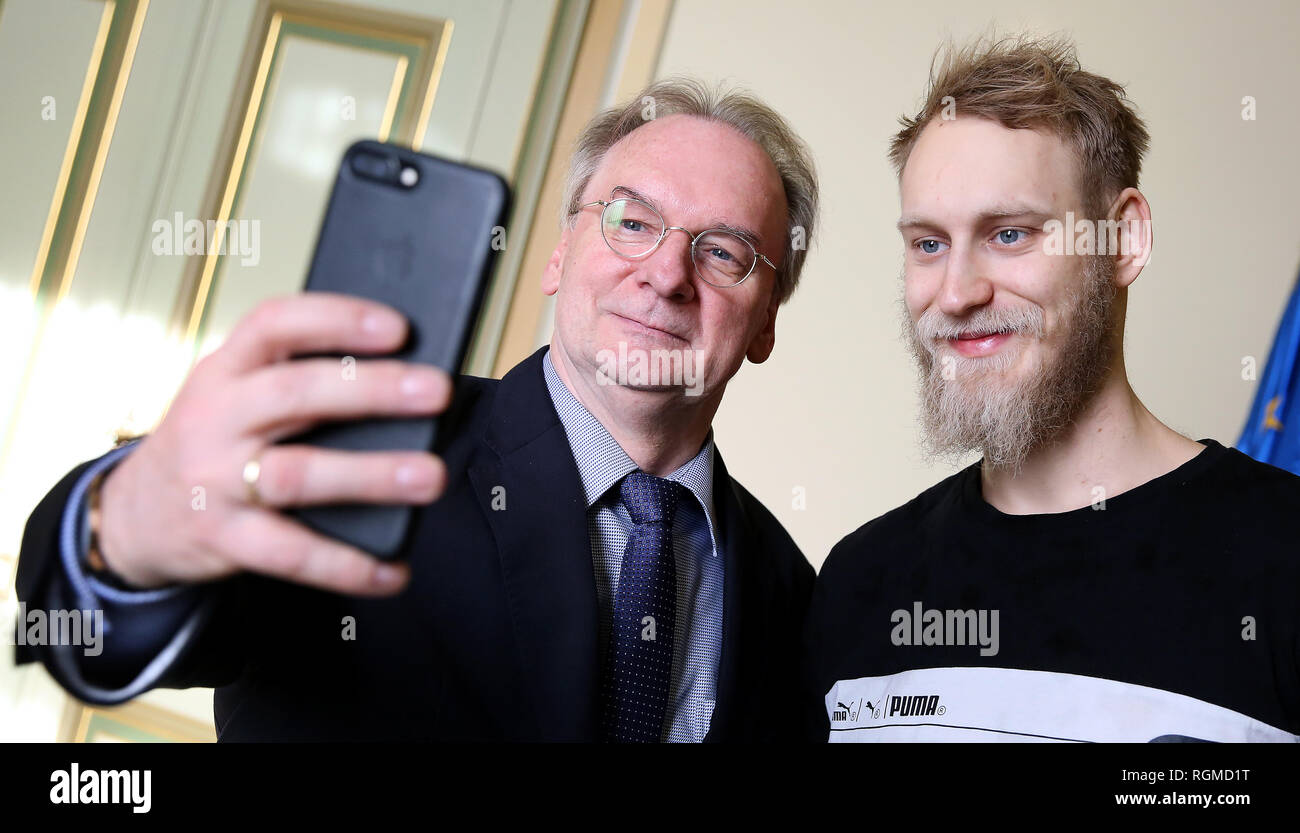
column 602, row 462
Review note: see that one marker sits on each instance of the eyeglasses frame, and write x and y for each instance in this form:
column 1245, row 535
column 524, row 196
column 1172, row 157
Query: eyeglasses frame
column 663, row 235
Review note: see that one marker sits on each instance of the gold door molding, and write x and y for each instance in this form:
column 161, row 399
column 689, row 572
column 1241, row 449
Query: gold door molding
column 420, row 48
column 135, row 722
column 87, row 148
column 77, row 185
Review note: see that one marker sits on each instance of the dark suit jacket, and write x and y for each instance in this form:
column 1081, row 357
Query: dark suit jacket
column 496, row 636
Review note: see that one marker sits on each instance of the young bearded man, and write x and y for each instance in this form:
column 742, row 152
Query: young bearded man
column 1096, row 576
column 581, row 566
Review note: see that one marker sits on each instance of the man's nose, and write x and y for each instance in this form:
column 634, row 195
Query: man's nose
column 669, row 270
column 966, row 285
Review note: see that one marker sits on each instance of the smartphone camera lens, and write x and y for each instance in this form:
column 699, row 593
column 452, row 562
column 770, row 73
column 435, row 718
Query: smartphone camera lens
column 375, row 166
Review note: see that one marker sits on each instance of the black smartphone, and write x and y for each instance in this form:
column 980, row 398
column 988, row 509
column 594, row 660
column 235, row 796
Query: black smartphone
column 420, row 234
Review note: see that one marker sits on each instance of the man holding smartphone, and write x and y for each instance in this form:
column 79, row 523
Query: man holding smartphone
column 581, row 566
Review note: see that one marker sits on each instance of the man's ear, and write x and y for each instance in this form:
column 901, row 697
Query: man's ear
column 555, row 266
column 760, row 347
column 1133, row 213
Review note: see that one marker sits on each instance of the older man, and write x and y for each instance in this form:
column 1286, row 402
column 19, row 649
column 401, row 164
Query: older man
column 1097, row 576
column 588, row 571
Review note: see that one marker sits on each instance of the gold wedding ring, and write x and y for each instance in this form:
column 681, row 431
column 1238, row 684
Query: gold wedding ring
column 252, row 473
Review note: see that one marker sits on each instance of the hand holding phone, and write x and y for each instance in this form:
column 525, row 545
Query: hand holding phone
column 281, row 371
column 176, row 509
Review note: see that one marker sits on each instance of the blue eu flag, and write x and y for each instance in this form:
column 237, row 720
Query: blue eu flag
column 1272, row 432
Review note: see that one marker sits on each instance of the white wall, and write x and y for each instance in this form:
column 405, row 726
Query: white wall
column 834, row 409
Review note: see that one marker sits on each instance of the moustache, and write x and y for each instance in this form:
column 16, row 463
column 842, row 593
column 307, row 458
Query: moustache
column 935, row 326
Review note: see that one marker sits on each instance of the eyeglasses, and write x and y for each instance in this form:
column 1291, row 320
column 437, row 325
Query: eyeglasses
column 634, row 229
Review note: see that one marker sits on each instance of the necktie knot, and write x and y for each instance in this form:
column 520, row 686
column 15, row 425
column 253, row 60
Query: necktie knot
column 650, row 499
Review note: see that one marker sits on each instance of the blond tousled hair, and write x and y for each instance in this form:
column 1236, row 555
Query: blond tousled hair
column 1034, row 82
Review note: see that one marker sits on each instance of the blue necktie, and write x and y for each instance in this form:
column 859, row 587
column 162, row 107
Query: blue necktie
column 639, row 667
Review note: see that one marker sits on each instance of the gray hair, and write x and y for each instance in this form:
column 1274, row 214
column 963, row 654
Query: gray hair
column 742, row 111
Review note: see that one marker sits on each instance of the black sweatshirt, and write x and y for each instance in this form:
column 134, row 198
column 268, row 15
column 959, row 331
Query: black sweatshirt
column 1168, row 615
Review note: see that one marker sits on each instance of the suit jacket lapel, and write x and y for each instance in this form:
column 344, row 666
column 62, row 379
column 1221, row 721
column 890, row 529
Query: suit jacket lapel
column 545, row 553
column 735, row 543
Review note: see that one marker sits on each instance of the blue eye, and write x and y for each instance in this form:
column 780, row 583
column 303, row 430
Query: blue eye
column 929, row 247
column 1003, row 235
column 632, row 225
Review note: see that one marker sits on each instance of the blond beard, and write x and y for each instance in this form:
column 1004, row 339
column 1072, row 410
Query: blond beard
column 979, row 409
